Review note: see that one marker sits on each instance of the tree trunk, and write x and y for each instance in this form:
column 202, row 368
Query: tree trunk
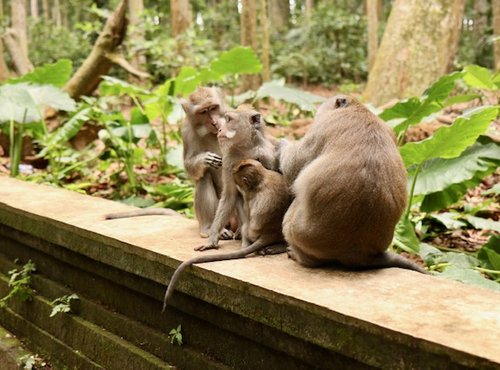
column 279, row 14
column 34, row 8
column 46, row 9
column 182, row 18
column 496, row 32
column 56, row 13
column 266, row 73
column 99, row 62
column 1, row 9
column 309, row 8
column 4, row 70
column 136, row 35
column 416, row 48
column 372, row 9
column 19, row 24
column 248, row 36
column 20, row 61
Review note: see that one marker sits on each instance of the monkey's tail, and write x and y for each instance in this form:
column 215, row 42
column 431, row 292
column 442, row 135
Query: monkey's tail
column 389, row 259
column 254, row 247
column 141, row 212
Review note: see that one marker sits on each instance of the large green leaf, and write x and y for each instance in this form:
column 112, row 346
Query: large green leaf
column 22, row 102
column 438, row 174
column 479, row 77
column 405, row 237
column 450, row 141
column 277, row 90
column 56, row 74
column 469, row 276
column 449, row 219
column 67, row 131
column 483, row 223
column 489, row 254
column 238, row 60
column 114, row 86
column 186, row 81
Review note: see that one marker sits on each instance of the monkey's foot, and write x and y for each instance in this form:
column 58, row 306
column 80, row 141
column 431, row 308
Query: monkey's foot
column 237, row 234
column 206, row 247
column 273, row 249
column 226, row 235
column 204, row 234
column 291, row 254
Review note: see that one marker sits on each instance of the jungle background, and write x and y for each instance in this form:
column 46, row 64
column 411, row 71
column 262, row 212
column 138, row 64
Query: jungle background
column 89, row 99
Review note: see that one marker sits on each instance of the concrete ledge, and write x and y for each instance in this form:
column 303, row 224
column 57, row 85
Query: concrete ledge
column 260, row 312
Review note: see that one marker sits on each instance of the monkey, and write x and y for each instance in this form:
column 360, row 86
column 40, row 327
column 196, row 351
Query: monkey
column 349, row 184
column 242, row 137
column 204, row 110
column 266, row 198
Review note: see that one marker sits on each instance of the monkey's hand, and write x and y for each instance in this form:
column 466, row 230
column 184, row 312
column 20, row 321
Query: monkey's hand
column 212, row 160
column 206, row 247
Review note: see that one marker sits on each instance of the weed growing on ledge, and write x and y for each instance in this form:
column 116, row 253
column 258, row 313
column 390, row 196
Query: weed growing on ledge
column 20, row 284
column 175, row 335
column 62, row 304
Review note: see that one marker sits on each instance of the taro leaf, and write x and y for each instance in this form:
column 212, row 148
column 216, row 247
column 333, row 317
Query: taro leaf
column 414, row 110
column 461, row 260
column 138, row 201
column 66, row 132
column 483, row 223
column 405, row 237
column 207, row 75
column 460, row 99
column 450, row 141
column 23, row 98
column 489, row 254
column 449, row 219
column 277, row 90
column 186, row 81
column 238, row 60
column 469, row 276
column 56, row 74
column 437, row 174
column 137, row 117
column 479, row 77
column 116, row 87
column 431, row 255
column 175, row 157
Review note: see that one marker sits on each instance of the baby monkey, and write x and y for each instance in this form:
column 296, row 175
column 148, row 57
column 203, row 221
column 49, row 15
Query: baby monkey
column 265, row 200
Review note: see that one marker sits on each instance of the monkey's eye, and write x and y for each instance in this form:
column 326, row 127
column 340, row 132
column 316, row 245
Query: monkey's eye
column 213, row 107
column 340, row 102
column 203, row 111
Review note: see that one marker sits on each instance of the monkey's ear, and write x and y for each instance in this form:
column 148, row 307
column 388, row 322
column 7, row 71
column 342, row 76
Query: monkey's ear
column 185, row 105
column 340, row 102
column 255, row 120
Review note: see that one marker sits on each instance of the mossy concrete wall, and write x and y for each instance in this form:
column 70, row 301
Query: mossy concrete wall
column 259, row 312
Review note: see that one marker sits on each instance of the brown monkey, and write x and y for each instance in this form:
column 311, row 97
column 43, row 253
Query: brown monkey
column 265, row 200
column 350, row 189
column 204, row 110
column 241, row 137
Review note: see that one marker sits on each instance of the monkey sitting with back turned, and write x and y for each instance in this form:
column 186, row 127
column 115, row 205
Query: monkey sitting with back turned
column 349, row 184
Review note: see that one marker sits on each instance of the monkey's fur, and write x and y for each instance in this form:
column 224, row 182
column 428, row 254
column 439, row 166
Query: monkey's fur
column 349, row 184
column 204, row 110
column 241, row 137
column 265, row 200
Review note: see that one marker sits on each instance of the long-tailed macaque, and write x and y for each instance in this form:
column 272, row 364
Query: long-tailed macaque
column 349, row 184
column 241, row 137
column 204, row 110
column 265, row 200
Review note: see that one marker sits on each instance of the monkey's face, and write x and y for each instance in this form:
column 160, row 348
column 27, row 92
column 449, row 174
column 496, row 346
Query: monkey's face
column 240, row 126
column 248, row 174
column 211, row 117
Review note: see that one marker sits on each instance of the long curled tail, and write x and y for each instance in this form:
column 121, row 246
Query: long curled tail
column 389, row 259
column 141, row 212
column 254, row 247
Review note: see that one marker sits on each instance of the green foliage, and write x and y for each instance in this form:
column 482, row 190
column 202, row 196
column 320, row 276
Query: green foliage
column 175, row 335
column 238, row 60
column 278, row 90
column 329, row 48
column 20, row 284
column 56, row 74
column 489, row 254
column 63, row 304
column 481, row 78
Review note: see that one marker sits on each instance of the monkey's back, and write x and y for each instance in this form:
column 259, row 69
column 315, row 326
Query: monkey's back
column 350, row 197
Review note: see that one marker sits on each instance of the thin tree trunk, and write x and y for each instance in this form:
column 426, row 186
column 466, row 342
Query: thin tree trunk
column 19, row 24
column 266, row 73
column 56, row 13
column 182, row 18
column 496, row 32
column 248, row 36
column 4, row 70
column 136, row 35
column 99, row 62
column 46, row 9
column 34, row 8
column 309, row 8
column 416, row 48
column 372, row 8
column 20, row 61
column 279, row 14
